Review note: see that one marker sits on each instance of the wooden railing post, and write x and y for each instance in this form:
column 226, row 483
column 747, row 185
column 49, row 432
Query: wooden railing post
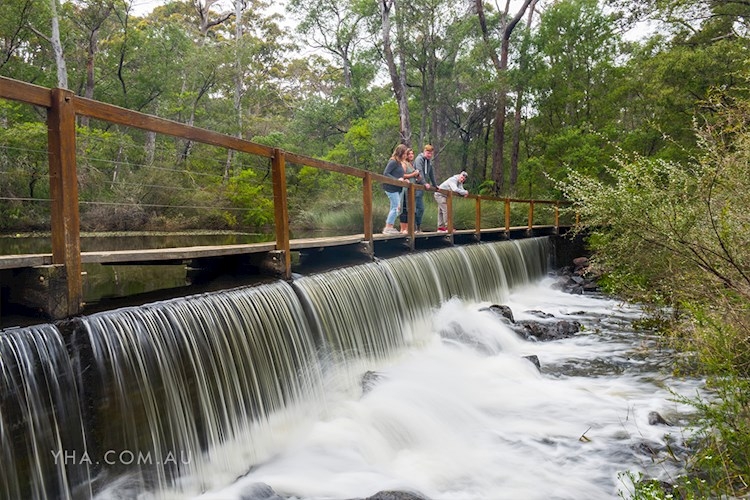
column 557, row 217
column 450, row 211
column 531, row 215
column 507, row 215
column 280, row 209
column 367, row 205
column 66, row 227
column 478, row 218
column 411, row 200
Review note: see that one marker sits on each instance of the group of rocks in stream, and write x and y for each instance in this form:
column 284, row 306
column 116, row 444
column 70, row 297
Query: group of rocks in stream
column 577, row 279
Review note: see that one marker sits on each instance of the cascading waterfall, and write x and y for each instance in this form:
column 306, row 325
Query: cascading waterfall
column 40, row 415
column 185, row 379
column 189, row 393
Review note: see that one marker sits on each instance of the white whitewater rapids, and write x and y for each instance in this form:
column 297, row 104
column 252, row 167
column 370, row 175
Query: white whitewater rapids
column 476, row 420
column 239, row 393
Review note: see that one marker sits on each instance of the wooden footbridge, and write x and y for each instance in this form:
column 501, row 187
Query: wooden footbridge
column 57, row 278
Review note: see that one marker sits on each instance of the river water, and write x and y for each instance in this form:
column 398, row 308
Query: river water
column 234, row 393
column 468, row 417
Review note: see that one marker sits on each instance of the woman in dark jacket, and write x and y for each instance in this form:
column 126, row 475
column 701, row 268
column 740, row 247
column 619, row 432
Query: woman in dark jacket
column 395, row 169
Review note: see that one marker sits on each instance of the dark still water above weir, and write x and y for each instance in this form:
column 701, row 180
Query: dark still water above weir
column 12, row 244
column 232, row 394
column 103, row 284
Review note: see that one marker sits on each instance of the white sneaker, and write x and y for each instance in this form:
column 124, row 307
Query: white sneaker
column 391, row 230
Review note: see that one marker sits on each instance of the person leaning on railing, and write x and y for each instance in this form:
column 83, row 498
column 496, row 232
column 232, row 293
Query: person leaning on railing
column 395, row 169
column 456, row 184
column 423, row 163
column 412, row 175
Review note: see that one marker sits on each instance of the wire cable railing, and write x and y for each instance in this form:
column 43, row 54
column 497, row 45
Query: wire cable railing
column 162, row 174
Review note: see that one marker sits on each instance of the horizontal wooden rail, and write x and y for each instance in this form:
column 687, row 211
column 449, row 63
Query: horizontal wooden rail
column 324, row 165
column 25, row 92
column 64, row 106
column 122, row 116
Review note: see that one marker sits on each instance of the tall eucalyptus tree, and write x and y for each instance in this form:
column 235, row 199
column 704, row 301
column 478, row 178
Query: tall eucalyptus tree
column 397, row 72
column 89, row 20
column 506, row 26
column 578, row 87
column 57, row 48
column 520, row 88
column 438, row 34
column 335, row 27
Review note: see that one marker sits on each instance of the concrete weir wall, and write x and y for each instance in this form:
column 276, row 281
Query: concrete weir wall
column 565, row 248
column 36, row 294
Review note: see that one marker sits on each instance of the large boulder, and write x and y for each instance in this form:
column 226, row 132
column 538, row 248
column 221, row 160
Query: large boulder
column 369, row 380
column 396, row 495
column 259, row 491
column 541, row 332
column 530, row 330
column 501, row 310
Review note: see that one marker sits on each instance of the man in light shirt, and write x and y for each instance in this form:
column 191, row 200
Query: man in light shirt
column 456, row 184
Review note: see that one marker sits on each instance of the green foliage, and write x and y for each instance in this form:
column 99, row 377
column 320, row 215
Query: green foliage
column 273, row 139
column 685, row 488
column 247, row 193
column 673, row 233
column 724, row 456
column 24, row 176
column 486, row 188
column 383, row 128
column 720, row 466
column 357, row 149
column 576, row 79
column 674, row 222
column 582, row 150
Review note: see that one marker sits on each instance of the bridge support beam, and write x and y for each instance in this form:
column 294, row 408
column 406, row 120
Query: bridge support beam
column 43, row 289
column 66, row 242
column 275, row 264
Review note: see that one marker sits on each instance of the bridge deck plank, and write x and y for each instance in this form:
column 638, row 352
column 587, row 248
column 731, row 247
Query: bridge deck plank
column 153, row 255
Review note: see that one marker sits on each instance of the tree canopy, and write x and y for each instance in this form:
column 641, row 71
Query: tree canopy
column 346, row 81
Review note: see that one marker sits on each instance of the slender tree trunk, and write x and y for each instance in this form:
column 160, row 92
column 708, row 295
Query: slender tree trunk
column 238, row 33
column 88, row 91
column 93, row 28
column 514, row 158
column 62, row 70
column 514, row 154
column 398, row 79
column 501, row 66
column 150, row 147
column 437, row 133
column 486, row 165
column 207, row 84
column 425, row 111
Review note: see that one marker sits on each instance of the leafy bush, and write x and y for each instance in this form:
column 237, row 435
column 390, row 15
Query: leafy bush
column 676, row 234
column 245, row 191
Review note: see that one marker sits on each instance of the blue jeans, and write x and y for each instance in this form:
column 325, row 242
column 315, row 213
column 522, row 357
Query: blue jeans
column 418, row 208
column 395, row 201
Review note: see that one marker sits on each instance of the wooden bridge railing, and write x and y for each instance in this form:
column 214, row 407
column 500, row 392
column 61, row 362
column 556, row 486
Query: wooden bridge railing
column 63, row 107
